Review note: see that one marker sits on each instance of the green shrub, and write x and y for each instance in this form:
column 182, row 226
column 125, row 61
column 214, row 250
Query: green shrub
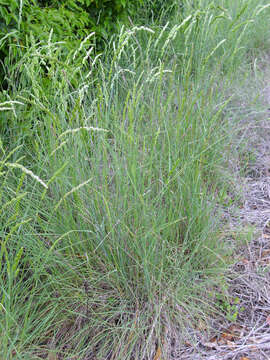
column 68, row 20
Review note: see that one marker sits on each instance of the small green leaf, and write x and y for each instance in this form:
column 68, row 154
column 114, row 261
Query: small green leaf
column 17, row 259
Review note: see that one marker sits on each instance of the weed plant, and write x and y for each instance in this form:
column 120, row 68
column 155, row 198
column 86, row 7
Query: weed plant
column 112, row 177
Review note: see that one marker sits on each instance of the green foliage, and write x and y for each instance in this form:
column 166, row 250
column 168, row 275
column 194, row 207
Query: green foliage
column 68, row 21
column 110, row 203
column 69, row 18
column 156, row 10
column 229, row 307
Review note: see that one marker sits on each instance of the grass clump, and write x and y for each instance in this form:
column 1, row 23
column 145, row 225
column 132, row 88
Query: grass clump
column 110, row 234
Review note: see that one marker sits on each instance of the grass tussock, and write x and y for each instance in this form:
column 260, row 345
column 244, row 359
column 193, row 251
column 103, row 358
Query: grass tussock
column 112, row 184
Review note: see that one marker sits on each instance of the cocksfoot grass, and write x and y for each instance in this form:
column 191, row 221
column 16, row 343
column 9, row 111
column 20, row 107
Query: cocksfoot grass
column 113, row 175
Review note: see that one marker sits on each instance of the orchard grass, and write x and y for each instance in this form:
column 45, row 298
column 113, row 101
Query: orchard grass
column 113, row 183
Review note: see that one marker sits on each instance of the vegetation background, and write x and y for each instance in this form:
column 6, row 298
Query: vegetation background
column 116, row 128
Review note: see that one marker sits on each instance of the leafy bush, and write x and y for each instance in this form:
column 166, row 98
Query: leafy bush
column 67, row 20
